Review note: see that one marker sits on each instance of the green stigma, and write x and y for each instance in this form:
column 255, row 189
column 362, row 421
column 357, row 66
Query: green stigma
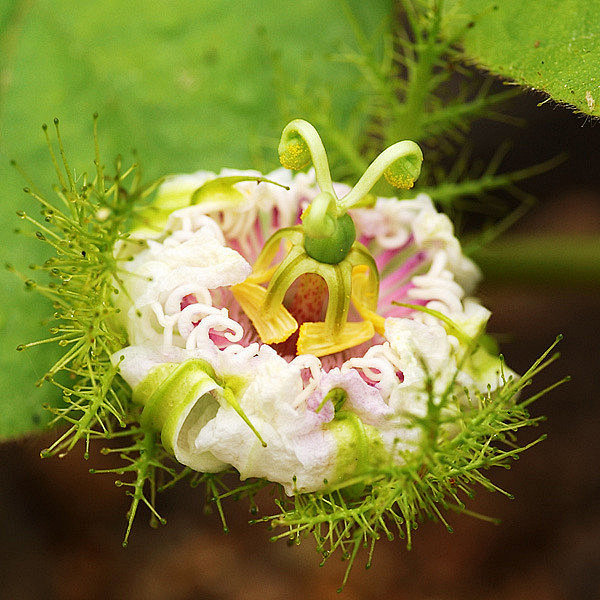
column 328, row 229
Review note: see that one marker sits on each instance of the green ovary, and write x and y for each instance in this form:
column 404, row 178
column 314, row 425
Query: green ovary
column 333, row 249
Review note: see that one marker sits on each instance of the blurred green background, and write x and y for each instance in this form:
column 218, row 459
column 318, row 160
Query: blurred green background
column 202, row 85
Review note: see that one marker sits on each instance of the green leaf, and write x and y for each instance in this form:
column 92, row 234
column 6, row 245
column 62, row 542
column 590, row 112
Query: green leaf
column 192, row 85
column 550, row 45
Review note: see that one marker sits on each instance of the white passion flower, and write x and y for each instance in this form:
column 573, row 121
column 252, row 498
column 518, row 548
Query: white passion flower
column 293, row 328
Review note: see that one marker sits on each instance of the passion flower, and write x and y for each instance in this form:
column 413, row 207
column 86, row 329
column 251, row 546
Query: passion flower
column 294, row 328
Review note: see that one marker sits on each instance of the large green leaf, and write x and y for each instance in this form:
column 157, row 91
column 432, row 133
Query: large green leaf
column 190, row 84
column 548, row 45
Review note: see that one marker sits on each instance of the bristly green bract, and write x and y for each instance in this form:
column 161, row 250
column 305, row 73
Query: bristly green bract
column 441, row 473
column 81, row 227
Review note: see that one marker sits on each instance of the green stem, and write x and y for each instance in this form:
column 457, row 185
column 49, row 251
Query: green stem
column 418, row 87
column 445, row 193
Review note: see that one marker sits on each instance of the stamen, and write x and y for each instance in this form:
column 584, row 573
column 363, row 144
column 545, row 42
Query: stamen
column 317, row 339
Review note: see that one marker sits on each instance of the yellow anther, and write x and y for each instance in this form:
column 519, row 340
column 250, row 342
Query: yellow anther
column 274, row 325
column 319, row 340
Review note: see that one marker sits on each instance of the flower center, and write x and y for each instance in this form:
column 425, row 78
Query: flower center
column 309, row 298
column 306, row 301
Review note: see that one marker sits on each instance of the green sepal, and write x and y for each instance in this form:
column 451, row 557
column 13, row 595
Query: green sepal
column 151, row 383
column 171, row 402
column 489, row 343
column 337, row 396
column 359, row 445
column 149, row 221
column 482, row 364
column 359, row 449
column 170, row 392
column 451, row 327
column 233, row 402
column 215, row 194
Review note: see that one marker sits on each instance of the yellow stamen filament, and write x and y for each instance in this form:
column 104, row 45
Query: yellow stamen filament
column 292, row 237
column 262, row 276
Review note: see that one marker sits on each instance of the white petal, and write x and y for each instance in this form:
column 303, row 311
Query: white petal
column 135, row 362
